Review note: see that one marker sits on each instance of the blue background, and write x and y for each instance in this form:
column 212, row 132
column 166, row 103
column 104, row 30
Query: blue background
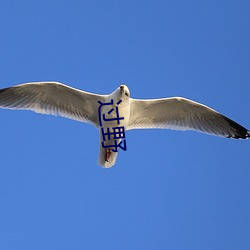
column 170, row 189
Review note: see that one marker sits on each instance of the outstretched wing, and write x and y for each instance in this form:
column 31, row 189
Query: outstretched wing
column 182, row 114
column 53, row 98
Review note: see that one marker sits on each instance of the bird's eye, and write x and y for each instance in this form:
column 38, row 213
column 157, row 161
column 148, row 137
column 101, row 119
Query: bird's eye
column 126, row 93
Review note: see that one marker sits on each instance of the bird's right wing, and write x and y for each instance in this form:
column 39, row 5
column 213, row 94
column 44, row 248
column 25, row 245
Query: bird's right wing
column 182, row 114
column 53, row 98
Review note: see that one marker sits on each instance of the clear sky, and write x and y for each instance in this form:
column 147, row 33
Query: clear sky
column 170, row 189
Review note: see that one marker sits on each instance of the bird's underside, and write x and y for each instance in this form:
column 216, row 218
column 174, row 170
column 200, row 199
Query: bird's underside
column 167, row 113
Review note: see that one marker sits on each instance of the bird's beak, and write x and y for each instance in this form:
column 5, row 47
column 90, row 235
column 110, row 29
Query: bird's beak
column 122, row 88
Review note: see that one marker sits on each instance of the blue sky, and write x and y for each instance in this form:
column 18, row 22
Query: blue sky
column 170, row 189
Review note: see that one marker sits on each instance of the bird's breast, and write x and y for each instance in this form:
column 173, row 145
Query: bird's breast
column 115, row 116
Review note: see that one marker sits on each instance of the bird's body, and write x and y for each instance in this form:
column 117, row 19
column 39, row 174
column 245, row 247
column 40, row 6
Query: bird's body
column 167, row 113
column 107, row 157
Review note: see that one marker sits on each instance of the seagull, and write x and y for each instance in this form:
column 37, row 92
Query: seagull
column 102, row 111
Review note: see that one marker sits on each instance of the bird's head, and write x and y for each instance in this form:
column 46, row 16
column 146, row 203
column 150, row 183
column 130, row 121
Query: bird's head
column 121, row 93
column 124, row 91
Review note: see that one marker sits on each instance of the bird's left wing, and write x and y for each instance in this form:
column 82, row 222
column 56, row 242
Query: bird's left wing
column 53, row 98
column 182, row 114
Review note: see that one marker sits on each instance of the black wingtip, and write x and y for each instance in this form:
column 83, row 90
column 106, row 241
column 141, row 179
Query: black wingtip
column 3, row 90
column 239, row 131
column 248, row 134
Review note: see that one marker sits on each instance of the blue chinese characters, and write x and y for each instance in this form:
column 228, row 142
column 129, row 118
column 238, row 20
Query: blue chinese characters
column 117, row 133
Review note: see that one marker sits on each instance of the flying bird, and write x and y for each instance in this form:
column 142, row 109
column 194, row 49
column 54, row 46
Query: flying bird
column 175, row 113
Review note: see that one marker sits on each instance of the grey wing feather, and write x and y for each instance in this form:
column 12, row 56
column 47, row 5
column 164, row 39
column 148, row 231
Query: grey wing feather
column 182, row 114
column 53, row 98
